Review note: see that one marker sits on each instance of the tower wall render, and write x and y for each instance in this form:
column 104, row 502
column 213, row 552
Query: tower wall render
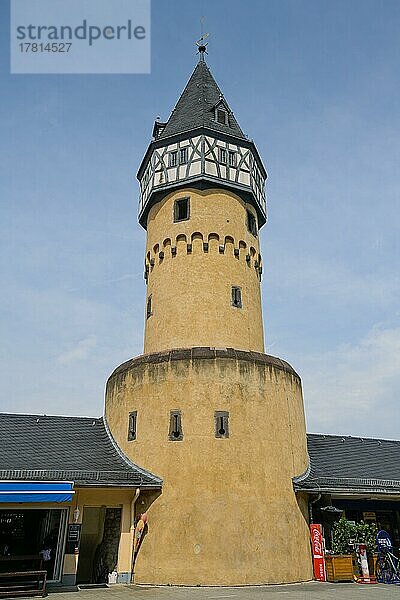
column 190, row 282
column 227, row 514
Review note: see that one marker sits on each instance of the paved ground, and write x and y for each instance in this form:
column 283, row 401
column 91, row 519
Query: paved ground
column 304, row 591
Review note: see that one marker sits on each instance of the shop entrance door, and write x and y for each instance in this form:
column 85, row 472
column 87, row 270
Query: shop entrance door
column 98, row 548
column 91, row 536
column 25, row 533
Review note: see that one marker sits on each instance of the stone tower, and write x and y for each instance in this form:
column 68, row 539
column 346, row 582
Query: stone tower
column 204, row 408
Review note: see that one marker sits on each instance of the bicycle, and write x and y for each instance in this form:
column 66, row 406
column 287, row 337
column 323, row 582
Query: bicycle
column 387, row 567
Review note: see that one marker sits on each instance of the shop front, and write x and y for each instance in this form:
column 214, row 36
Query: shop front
column 68, row 500
column 99, row 538
column 385, row 513
column 33, row 519
column 357, row 478
column 86, row 539
column 33, row 538
column 381, row 511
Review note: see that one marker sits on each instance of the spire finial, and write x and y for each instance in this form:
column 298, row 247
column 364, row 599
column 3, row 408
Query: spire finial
column 201, row 45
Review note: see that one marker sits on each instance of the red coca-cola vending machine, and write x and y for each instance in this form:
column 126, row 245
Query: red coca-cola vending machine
column 317, row 544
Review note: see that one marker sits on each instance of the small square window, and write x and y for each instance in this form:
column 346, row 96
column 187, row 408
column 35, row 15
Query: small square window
column 236, row 297
column 181, row 209
column 222, row 116
column 183, row 156
column 221, row 418
column 132, row 425
column 175, row 426
column 252, row 223
column 222, row 156
column 149, row 307
column 232, row 158
column 173, row 159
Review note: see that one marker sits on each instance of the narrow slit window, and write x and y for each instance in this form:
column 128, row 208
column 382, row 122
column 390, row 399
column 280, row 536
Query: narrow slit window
column 175, row 426
column 222, row 116
column 252, row 223
column 132, row 425
column 173, row 159
column 236, row 297
column 181, row 210
column 222, row 156
column 232, row 158
column 149, row 307
column 221, row 418
column 183, row 156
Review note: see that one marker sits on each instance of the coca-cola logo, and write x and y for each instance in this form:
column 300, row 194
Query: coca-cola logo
column 317, row 541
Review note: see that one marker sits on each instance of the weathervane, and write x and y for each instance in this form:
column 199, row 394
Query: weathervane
column 202, row 47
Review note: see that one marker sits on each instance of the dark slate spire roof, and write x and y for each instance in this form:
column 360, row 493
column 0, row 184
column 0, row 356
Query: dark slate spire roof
column 340, row 463
column 196, row 106
column 79, row 449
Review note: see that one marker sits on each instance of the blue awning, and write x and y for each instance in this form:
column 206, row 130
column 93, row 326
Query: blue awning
column 35, row 491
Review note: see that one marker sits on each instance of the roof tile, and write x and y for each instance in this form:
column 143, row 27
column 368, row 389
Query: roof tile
column 75, row 445
column 195, row 107
column 343, row 462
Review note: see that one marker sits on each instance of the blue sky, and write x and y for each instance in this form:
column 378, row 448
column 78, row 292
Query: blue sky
column 316, row 84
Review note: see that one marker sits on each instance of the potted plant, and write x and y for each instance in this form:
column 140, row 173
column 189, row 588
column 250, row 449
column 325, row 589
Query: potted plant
column 366, row 534
column 339, row 564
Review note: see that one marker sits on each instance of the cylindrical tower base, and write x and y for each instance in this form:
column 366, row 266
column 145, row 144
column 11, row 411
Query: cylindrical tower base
column 227, row 514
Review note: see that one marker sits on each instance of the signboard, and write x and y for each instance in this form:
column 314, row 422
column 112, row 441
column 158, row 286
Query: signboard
column 362, row 552
column 317, row 544
column 73, row 538
column 369, row 516
column 74, row 532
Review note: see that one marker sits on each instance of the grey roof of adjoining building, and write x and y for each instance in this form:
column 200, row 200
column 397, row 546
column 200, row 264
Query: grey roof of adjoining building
column 354, row 464
column 78, row 449
column 195, row 107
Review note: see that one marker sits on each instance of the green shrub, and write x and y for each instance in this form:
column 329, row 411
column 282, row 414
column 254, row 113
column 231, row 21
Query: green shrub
column 366, row 534
column 343, row 536
column 346, row 534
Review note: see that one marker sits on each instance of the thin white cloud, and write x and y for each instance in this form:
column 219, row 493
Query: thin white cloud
column 79, row 351
column 354, row 388
column 73, row 344
column 105, row 282
column 336, row 283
